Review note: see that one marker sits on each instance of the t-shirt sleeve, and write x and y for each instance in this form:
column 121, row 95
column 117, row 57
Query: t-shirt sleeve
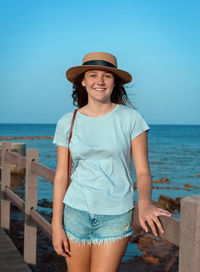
column 138, row 124
column 61, row 135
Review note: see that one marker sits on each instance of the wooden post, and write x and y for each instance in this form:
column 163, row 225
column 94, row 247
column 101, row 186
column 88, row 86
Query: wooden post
column 31, row 194
column 189, row 248
column 5, row 181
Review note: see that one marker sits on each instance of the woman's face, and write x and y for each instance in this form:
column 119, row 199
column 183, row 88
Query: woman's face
column 99, row 85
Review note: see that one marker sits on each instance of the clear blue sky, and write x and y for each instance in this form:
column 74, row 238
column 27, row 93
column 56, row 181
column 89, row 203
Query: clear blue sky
column 157, row 41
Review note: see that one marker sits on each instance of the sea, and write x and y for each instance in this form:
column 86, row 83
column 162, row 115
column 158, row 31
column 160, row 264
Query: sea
column 174, row 153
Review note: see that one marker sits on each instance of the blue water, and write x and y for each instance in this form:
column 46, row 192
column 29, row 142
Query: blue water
column 175, row 147
column 174, row 153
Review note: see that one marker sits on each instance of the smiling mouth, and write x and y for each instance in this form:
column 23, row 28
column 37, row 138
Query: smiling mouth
column 100, row 89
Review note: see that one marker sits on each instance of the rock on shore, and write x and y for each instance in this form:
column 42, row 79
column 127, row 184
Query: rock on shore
column 25, row 137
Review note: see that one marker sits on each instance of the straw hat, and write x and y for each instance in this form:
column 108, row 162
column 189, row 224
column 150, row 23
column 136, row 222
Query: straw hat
column 98, row 60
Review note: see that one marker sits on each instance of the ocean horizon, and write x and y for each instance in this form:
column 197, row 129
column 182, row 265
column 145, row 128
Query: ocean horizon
column 153, row 124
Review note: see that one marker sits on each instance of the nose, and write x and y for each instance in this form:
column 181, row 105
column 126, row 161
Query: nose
column 100, row 80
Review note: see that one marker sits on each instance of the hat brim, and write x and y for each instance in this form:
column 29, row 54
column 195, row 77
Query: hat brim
column 73, row 72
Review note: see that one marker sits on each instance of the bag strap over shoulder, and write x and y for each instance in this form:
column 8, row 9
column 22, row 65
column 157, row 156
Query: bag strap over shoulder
column 69, row 156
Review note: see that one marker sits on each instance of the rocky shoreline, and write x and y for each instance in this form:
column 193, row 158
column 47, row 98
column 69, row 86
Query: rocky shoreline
column 156, row 254
column 25, row 137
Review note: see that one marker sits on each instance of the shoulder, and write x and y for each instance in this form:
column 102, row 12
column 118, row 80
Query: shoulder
column 62, row 130
column 129, row 111
column 65, row 119
column 133, row 119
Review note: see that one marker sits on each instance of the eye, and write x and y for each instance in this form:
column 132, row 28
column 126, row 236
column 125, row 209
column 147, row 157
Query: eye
column 109, row 75
column 92, row 75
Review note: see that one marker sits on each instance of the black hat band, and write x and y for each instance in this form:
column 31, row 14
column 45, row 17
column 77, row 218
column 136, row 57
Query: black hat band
column 100, row 63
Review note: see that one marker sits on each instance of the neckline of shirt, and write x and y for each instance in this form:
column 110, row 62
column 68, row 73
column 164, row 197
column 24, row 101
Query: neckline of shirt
column 100, row 117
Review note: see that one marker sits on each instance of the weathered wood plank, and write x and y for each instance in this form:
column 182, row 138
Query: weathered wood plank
column 31, row 197
column 42, row 223
column 5, row 182
column 15, row 198
column 47, row 173
column 12, row 261
column 15, row 159
column 189, row 256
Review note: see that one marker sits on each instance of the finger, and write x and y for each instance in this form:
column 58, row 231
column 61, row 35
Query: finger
column 66, row 246
column 143, row 225
column 60, row 251
column 57, row 250
column 63, row 253
column 152, row 226
column 164, row 212
column 158, row 223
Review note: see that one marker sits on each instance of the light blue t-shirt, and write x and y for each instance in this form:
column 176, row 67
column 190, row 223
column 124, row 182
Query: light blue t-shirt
column 101, row 153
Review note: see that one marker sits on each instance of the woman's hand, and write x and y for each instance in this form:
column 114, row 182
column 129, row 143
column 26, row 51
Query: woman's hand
column 148, row 213
column 60, row 242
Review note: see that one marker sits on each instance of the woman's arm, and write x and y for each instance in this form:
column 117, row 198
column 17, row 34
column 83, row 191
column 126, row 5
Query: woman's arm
column 59, row 238
column 147, row 212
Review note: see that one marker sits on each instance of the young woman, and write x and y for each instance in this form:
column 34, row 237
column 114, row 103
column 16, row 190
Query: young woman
column 99, row 202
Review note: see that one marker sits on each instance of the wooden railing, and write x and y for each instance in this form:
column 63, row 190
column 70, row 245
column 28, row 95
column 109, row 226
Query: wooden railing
column 184, row 233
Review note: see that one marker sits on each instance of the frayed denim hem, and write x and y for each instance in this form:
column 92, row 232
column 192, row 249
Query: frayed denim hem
column 99, row 241
column 96, row 241
column 73, row 238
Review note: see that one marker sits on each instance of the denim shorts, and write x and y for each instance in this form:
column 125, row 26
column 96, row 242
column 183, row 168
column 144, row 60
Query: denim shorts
column 84, row 227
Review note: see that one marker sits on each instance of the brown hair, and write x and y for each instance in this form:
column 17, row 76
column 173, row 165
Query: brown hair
column 80, row 96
